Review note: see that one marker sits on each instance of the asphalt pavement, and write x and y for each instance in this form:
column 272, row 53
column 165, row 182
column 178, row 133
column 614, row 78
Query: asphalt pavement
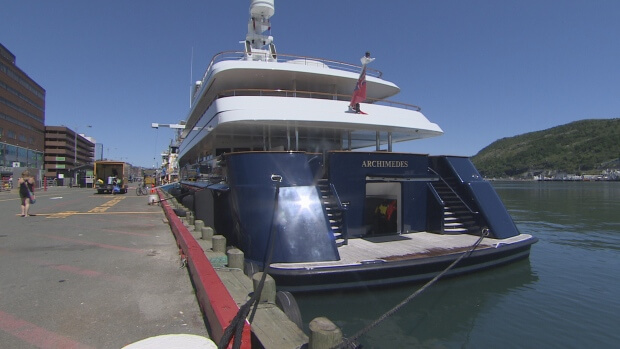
column 90, row 271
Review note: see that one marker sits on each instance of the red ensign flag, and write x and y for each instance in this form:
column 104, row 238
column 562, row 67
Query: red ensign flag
column 359, row 93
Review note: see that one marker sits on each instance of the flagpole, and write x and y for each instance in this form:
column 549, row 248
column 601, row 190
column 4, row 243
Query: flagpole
column 359, row 93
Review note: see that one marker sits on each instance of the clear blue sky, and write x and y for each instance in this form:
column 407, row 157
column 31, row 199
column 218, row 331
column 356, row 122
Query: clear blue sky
column 482, row 69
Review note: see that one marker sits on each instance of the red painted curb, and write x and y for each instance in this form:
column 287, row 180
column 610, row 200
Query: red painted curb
column 215, row 301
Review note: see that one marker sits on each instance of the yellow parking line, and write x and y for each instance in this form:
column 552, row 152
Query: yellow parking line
column 106, row 205
column 66, row 214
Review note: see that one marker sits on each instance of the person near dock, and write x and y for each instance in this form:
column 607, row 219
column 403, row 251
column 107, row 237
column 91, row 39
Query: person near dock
column 26, row 192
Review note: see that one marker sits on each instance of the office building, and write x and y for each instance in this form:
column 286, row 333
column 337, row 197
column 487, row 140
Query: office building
column 22, row 120
column 65, row 152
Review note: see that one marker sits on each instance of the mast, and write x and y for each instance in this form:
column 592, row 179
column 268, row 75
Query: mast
column 258, row 43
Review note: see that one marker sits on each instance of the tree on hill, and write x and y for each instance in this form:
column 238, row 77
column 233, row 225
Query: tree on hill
column 576, row 147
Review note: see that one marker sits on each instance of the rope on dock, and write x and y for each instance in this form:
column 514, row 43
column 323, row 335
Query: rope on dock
column 350, row 342
column 236, row 325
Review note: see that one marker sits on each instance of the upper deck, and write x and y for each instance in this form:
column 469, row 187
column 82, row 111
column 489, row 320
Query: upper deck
column 259, row 101
column 232, row 70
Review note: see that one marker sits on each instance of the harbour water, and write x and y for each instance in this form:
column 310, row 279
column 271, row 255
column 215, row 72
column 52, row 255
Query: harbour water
column 567, row 295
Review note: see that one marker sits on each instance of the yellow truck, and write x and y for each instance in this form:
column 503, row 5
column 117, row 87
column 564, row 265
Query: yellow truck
column 111, row 176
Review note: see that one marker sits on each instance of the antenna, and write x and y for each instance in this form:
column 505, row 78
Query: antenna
column 191, row 78
column 259, row 27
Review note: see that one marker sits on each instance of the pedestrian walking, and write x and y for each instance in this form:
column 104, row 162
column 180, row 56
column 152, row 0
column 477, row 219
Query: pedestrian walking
column 26, row 192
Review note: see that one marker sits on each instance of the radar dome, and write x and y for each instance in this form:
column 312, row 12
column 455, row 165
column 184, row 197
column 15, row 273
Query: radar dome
column 262, row 8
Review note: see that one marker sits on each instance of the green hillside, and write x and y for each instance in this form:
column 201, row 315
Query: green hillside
column 579, row 147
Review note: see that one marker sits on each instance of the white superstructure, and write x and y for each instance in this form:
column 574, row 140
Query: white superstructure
column 258, row 99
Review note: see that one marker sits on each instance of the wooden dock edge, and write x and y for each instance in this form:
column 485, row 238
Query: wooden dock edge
column 271, row 327
column 215, row 301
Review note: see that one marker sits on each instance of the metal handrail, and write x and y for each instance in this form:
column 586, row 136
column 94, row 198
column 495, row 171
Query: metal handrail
column 343, row 209
column 301, row 94
column 438, row 211
column 308, row 94
column 453, row 191
column 335, row 194
column 240, row 55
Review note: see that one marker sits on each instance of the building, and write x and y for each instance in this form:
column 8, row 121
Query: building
column 66, row 151
column 98, row 150
column 22, row 120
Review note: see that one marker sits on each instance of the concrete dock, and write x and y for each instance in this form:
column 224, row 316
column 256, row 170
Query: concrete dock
column 90, row 271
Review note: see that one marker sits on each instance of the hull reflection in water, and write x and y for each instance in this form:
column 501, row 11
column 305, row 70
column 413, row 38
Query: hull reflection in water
column 443, row 316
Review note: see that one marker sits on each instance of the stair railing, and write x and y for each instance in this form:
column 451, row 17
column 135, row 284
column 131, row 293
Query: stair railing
column 343, row 211
column 436, row 211
column 454, row 192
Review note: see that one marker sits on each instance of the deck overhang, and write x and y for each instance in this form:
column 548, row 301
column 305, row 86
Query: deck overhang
column 250, row 122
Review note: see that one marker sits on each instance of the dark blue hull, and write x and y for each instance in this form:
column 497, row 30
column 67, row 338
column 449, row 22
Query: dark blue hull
column 394, row 272
column 310, row 205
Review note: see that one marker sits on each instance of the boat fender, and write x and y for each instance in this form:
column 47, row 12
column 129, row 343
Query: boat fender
column 287, row 303
column 176, row 192
column 188, row 201
column 179, row 212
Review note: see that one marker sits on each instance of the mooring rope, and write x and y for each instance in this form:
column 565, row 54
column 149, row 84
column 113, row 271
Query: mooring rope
column 350, row 342
column 236, row 325
column 182, row 194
